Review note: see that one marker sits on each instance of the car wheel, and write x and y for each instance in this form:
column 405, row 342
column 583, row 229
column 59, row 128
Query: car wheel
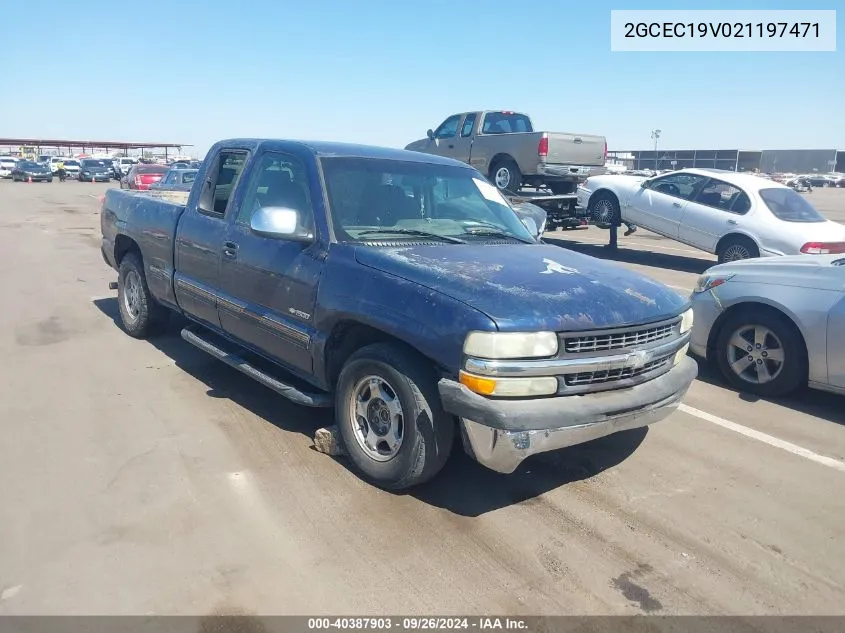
column 762, row 352
column 139, row 311
column 390, row 418
column 603, row 209
column 505, row 174
column 736, row 248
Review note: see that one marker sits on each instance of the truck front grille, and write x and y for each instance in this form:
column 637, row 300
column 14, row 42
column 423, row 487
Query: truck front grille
column 612, row 375
column 619, row 339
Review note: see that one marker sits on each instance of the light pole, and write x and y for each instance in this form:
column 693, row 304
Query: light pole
column 655, row 136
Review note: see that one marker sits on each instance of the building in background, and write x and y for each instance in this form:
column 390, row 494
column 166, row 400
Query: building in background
column 766, row 161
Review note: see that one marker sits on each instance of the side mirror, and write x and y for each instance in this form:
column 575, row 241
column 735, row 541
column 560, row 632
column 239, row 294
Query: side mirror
column 644, row 184
column 278, row 223
column 531, row 225
column 430, row 134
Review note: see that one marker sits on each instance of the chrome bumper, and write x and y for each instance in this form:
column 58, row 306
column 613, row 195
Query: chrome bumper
column 501, row 434
column 562, row 171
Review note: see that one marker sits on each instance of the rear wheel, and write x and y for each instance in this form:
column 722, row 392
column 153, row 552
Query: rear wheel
column 736, row 248
column 389, row 416
column 505, row 174
column 139, row 311
column 762, row 352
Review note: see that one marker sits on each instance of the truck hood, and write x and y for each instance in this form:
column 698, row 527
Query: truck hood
column 531, row 286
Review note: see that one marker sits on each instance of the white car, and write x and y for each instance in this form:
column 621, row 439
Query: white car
column 72, row 167
column 125, row 164
column 7, row 164
column 736, row 216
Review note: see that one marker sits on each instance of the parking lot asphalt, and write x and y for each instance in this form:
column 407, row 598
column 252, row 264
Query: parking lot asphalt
column 143, row 477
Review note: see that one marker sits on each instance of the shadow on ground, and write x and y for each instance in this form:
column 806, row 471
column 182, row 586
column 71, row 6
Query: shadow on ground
column 463, row 487
column 819, row 404
column 679, row 263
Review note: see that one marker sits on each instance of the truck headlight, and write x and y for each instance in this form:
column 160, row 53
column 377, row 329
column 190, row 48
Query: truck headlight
column 509, row 387
column 686, row 321
column 502, row 345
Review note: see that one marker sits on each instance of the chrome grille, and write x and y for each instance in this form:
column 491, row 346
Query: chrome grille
column 611, row 375
column 618, row 339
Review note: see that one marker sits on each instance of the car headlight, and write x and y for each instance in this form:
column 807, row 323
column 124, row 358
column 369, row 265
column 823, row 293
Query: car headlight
column 501, row 345
column 509, row 387
column 686, row 321
column 707, row 282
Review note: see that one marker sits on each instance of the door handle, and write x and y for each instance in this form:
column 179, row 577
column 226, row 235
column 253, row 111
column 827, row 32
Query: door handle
column 731, row 221
column 230, row 250
column 676, row 204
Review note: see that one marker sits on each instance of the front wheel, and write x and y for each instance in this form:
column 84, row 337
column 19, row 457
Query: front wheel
column 139, row 311
column 762, row 352
column 390, row 418
column 603, row 209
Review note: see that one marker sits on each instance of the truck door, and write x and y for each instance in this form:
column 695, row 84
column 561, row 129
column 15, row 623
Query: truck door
column 459, row 146
column 268, row 286
column 199, row 238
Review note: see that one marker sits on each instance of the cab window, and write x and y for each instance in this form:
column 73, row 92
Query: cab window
column 448, row 128
column 279, row 180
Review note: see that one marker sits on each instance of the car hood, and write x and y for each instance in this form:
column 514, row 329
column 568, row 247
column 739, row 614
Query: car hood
column 531, row 286
column 806, row 271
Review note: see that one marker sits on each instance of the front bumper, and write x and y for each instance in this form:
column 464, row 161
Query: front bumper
column 706, row 309
column 500, row 434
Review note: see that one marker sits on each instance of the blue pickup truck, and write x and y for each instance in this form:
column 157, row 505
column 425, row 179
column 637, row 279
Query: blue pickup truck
column 403, row 290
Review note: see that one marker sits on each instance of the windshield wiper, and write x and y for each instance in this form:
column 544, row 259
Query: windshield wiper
column 482, row 228
column 400, row 231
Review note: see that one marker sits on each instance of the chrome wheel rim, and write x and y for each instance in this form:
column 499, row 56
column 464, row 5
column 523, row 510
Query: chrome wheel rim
column 736, row 252
column 377, row 419
column 132, row 294
column 603, row 211
column 503, row 177
column 755, row 354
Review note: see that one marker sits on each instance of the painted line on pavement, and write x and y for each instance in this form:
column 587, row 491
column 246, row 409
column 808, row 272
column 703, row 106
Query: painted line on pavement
column 645, row 246
column 765, row 438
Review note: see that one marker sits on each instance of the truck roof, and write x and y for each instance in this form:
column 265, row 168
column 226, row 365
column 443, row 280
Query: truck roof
column 346, row 150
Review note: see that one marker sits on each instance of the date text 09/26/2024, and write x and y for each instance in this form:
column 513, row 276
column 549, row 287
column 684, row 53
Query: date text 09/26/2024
column 480, row 623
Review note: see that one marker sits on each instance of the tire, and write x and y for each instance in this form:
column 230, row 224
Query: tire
column 505, row 175
column 408, row 380
column 603, row 209
column 737, row 248
column 779, row 333
column 563, row 188
column 140, row 314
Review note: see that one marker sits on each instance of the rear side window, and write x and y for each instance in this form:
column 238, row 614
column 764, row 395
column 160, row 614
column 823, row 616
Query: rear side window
column 721, row 195
column 466, row 129
column 789, row 206
column 225, row 174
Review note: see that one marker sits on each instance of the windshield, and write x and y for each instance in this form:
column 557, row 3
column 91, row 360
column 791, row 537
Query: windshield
column 372, row 194
column 151, row 169
column 789, row 206
column 505, row 122
column 28, row 164
column 71, row 163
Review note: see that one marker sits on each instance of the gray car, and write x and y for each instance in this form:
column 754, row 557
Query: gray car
column 177, row 179
column 774, row 325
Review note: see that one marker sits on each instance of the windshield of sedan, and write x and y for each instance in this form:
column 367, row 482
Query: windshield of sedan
column 369, row 196
column 789, row 206
column 88, row 164
column 71, row 163
column 28, row 164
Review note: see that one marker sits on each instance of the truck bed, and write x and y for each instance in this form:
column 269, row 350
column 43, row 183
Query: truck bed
column 150, row 218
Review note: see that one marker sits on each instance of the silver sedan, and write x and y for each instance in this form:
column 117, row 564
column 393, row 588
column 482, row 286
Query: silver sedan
column 774, row 325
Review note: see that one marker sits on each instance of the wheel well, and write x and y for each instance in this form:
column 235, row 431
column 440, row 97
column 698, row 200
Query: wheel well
column 346, row 338
column 755, row 307
column 730, row 237
column 124, row 245
column 499, row 158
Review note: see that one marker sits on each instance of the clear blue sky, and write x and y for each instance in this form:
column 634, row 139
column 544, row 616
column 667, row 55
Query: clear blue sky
column 382, row 72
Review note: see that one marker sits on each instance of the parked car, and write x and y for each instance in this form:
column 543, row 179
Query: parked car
column 72, row 167
column 125, row 163
column 402, row 289
column 735, row 216
column 176, row 180
column 504, row 146
column 30, row 170
column 95, row 170
column 142, row 175
column 7, row 165
column 774, row 325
